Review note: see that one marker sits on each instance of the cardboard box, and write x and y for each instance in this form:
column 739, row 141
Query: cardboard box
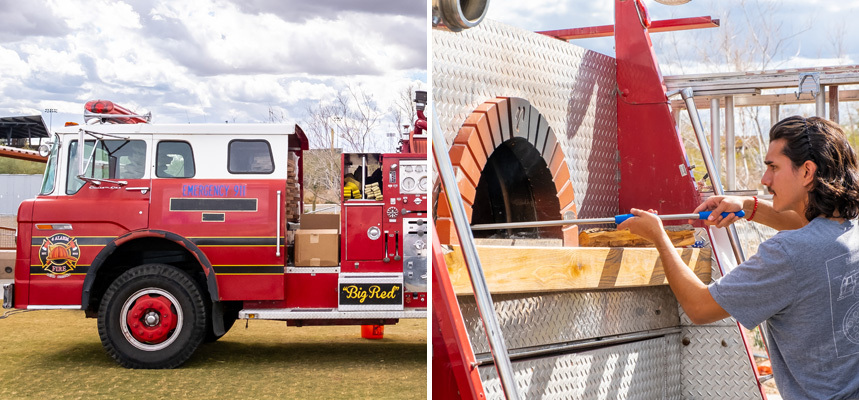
column 317, row 248
column 320, row 221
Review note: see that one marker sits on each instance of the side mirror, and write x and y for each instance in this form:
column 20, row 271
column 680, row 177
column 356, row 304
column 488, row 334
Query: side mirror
column 45, row 149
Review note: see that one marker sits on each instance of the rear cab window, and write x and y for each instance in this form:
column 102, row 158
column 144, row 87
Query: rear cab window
column 250, row 157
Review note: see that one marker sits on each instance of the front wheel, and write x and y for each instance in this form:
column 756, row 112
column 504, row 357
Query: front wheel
column 152, row 316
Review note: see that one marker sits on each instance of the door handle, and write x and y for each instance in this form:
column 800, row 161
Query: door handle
column 387, row 237
column 142, row 190
column 277, row 228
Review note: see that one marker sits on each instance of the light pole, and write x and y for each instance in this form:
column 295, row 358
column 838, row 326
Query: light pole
column 51, row 111
column 336, row 120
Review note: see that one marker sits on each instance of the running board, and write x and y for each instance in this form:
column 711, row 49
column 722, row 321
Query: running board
column 328, row 313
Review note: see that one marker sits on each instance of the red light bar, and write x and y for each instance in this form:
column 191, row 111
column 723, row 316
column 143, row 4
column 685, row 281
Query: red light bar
column 108, row 107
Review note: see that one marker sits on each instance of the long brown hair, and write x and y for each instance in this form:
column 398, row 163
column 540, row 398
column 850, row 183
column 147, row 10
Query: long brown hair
column 835, row 189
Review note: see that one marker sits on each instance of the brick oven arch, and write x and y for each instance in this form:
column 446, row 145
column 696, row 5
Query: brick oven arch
column 492, row 130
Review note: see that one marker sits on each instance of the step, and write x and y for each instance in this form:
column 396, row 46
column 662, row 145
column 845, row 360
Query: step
column 328, row 313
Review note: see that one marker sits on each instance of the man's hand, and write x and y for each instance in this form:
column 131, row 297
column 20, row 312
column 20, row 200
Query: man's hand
column 645, row 224
column 692, row 294
column 718, row 205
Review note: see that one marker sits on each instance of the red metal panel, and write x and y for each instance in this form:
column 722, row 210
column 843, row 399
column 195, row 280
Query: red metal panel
column 653, row 164
column 665, row 25
column 359, row 217
column 249, row 287
column 96, row 214
column 311, row 290
column 453, row 356
column 22, row 254
column 54, row 291
column 243, row 242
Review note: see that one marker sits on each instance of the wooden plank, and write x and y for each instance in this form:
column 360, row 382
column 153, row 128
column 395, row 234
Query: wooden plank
column 703, row 102
column 540, row 269
column 602, row 237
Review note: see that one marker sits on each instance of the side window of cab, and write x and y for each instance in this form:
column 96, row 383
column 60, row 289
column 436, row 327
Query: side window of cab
column 174, row 159
column 250, row 157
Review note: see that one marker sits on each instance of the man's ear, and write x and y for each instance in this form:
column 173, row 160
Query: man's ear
column 808, row 169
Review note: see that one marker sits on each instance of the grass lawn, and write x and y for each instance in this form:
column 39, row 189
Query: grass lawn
column 57, row 354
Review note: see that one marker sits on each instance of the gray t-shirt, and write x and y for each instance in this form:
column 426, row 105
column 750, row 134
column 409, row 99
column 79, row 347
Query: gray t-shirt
column 805, row 284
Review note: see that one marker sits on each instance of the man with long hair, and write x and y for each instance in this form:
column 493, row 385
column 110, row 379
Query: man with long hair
column 802, row 281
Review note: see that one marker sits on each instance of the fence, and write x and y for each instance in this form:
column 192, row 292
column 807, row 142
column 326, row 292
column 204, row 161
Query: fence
column 16, row 188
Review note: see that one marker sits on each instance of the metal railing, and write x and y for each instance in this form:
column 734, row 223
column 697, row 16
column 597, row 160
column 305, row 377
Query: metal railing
column 485, row 307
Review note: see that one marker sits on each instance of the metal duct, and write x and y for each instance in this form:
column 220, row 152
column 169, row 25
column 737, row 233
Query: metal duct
column 456, row 15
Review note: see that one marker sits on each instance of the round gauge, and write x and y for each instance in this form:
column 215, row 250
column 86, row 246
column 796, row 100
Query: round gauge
column 392, row 212
column 422, row 185
column 419, row 168
column 409, row 184
column 407, row 168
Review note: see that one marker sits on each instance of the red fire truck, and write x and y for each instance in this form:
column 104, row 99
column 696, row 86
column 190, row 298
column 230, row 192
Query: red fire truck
column 169, row 233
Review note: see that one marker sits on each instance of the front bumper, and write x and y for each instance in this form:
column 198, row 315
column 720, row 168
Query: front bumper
column 9, row 295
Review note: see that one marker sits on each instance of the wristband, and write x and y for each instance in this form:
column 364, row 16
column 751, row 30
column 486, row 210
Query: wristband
column 754, row 210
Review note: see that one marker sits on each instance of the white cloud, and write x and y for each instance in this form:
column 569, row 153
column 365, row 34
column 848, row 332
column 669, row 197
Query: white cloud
column 12, row 65
column 206, row 60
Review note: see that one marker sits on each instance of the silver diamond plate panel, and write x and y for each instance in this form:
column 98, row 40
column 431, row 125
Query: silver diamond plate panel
column 714, row 358
column 539, row 319
column 715, row 364
column 573, row 88
column 648, row 369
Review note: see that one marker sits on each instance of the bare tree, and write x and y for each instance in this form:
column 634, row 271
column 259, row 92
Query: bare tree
column 355, row 119
column 402, row 112
column 749, row 40
column 322, row 176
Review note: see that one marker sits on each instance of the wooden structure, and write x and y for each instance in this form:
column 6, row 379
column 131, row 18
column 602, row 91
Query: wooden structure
column 541, row 269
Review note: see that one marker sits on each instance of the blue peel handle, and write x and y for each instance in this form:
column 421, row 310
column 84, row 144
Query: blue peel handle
column 618, row 219
column 706, row 214
column 622, row 217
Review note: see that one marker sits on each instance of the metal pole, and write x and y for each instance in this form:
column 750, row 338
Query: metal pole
column 733, row 237
column 820, row 102
column 475, row 271
column 540, row 224
column 708, row 162
column 774, row 113
column 730, row 144
column 715, row 135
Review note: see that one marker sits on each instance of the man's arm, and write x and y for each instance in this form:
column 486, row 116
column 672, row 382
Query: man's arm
column 765, row 214
column 691, row 293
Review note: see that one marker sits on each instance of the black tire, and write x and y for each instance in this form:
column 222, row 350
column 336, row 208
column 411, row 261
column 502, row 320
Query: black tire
column 170, row 322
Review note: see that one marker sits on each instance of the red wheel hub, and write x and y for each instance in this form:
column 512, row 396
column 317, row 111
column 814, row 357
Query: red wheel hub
column 151, row 319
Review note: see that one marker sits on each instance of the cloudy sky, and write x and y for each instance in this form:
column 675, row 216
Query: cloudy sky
column 803, row 33
column 207, row 60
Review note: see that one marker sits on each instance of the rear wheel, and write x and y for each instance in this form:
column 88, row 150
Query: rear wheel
column 152, row 316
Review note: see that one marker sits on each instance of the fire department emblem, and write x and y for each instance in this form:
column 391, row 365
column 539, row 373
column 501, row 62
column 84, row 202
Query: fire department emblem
column 59, row 254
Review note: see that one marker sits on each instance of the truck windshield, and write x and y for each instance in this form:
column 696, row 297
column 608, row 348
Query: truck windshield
column 50, row 177
column 113, row 159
